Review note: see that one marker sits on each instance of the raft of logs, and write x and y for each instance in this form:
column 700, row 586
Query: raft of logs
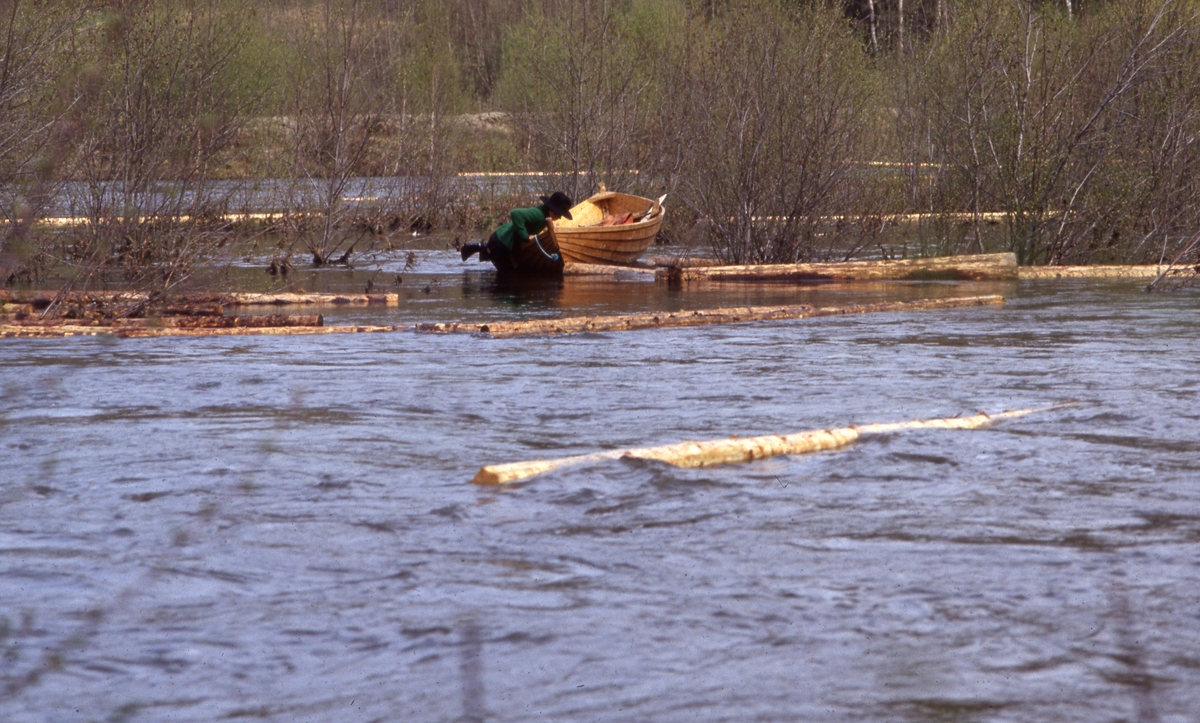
column 653, row 320
column 730, row 451
column 1106, row 272
column 106, row 312
column 30, row 325
column 980, row 267
column 983, row 267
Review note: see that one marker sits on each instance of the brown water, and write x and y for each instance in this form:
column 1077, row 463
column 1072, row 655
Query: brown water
column 282, row 529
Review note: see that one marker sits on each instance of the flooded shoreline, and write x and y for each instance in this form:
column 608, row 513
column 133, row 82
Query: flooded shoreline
column 283, row 528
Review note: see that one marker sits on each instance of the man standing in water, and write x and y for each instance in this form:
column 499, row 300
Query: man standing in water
column 524, row 223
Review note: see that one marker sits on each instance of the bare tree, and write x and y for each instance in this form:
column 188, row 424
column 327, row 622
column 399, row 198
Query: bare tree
column 1056, row 124
column 580, row 97
column 158, row 103
column 772, row 112
column 32, row 104
column 334, row 105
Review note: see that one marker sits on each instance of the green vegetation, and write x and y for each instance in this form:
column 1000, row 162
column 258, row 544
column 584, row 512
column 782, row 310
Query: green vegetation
column 784, row 130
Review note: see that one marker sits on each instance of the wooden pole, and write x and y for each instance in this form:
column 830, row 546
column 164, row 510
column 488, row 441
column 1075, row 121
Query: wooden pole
column 628, row 322
column 980, row 267
column 730, row 451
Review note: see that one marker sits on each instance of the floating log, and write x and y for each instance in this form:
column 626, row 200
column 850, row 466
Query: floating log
column 175, row 322
column 11, row 310
column 221, row 322
column 980, row 267
column 40, row 331
column 628, row 322
column 572, row 269
column 1104, row 272
column 254, row 331
column 730, row 451
column 134, row 328
column 43, row 298
column 681, row 262
column 301, row 299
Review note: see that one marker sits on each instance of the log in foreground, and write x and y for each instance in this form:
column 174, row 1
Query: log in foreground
column 980, row 267
column 629, row 322
column 730, row 451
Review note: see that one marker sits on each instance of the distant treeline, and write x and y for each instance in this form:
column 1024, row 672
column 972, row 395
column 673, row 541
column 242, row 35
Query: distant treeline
column 1063, row 130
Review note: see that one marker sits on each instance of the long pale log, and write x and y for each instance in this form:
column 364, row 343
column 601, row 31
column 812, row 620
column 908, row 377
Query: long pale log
column 257, row 331
column 681, row 261
column 221, row 322
column 300, row 299
column 43, row 297
column 65, row 330
column 628, row 322
column 229, row 299
column 573, row 269
column 1102, row 272
column 980, row 267
column 730, row 451
column 175, row 322
column 22, row 331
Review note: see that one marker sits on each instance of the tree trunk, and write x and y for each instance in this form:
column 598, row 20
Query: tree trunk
column 872, row 22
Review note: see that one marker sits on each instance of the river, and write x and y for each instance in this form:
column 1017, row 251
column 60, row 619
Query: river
column 282, row 528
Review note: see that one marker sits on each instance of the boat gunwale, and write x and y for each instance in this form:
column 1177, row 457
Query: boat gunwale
column 637, row 225
column 571, row 227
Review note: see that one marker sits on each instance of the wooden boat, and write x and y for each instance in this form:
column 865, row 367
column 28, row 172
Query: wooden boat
column 584, row 240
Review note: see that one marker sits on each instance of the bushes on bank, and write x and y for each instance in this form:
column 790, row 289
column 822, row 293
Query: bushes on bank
column 782, row 130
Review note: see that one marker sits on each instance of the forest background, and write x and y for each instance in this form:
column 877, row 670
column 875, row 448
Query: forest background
column 783, row 130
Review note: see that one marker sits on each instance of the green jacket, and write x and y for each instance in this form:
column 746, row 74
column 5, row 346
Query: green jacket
column 525, row 223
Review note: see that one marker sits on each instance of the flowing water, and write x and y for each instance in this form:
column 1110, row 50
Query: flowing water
column 282, row 528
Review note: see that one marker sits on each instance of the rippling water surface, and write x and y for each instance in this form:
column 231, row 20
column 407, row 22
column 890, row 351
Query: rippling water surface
column 283, row 529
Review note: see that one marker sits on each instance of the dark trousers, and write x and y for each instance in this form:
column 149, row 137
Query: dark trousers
column 497, row 253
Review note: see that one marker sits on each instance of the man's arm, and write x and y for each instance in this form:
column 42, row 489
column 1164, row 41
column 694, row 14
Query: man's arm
column 527, row 222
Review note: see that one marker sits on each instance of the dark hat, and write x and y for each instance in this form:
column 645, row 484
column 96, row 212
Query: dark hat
column 559, row 203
